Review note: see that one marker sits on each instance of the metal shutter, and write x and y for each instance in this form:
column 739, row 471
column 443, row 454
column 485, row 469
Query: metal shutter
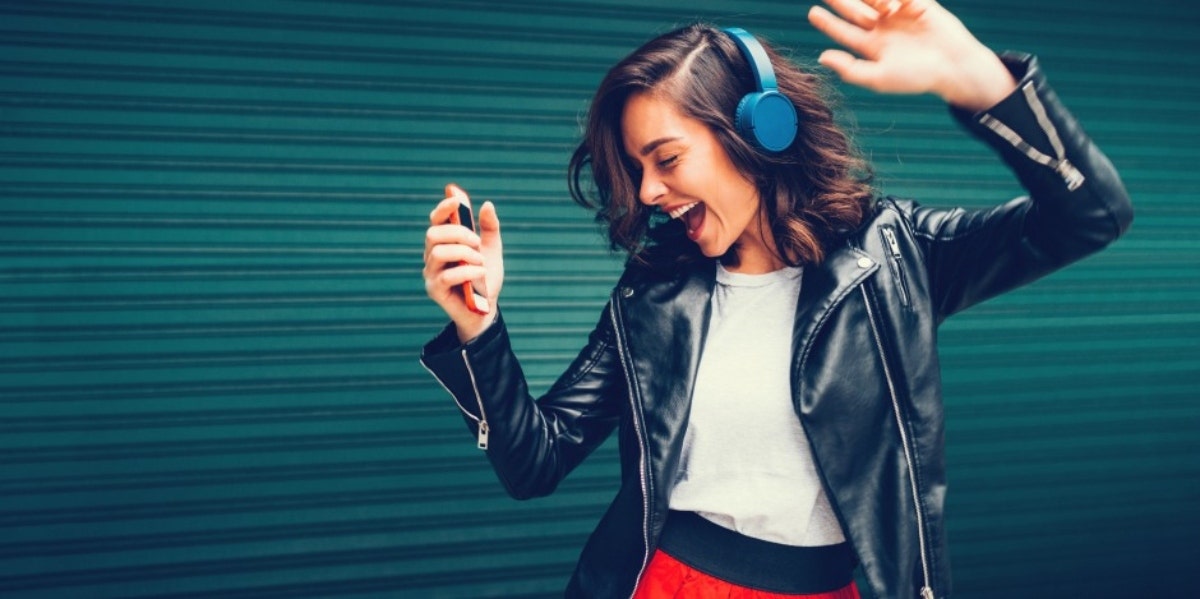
column 210, row 303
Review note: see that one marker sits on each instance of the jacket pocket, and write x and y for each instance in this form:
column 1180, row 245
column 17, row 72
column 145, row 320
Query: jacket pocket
column 895, row 260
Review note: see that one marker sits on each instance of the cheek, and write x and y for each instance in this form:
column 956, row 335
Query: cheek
column 736, row 191
column 740, row 204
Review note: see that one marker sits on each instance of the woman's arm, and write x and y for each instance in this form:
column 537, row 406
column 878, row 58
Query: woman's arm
column 1076, row 204
column 532, row 445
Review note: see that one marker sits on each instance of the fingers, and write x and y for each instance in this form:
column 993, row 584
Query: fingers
column 444, row 242
column 866, row 15
column 854, row 71
column 447, row 234
column 444, row 287
column 454, row 196
column 441, row 232
column 454, row 191
column 904, row 10
column 449, row 246
column 444, row 283
column 441, row 213
column 856, row 12
column 489, row 222
column 845, row 34
column 452, row 253
column 884, row 7
column 448, row 265
column 489, row 230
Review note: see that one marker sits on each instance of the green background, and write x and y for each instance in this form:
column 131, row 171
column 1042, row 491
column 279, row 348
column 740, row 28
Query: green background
column 211, row 308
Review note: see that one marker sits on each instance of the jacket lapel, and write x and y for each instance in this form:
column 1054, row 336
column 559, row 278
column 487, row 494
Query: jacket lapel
column 822, row 288
column 664, row 328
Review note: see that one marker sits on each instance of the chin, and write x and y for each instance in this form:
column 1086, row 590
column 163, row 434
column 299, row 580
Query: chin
column 711, row 251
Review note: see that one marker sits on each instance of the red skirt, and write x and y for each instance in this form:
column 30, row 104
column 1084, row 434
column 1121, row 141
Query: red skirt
column 667, row 577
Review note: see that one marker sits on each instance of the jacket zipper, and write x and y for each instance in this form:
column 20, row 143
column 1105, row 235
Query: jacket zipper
column 483, row 426
column 642, row 469
column 893, row 247
column 1070, row 175
column 927, row 589
column 482, row 439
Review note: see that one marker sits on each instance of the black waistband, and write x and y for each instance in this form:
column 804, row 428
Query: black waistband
column 754, row 563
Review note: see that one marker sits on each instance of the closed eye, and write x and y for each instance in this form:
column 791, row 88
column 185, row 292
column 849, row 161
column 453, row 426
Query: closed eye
column 667, row 162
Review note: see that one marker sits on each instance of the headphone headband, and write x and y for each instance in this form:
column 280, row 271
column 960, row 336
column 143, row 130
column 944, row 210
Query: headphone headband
column 764, row 117
column 764, row 73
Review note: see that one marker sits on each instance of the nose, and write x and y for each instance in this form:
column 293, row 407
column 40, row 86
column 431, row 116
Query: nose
column 652, row 189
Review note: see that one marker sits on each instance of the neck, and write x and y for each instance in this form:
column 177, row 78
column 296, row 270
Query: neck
column 756, row 250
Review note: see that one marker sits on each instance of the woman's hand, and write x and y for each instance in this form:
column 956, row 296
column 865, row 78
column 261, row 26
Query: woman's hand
column 911, row 47
column 454, row 255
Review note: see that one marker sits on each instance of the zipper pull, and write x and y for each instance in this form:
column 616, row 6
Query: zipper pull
column 482, row 443
column 1070, row 174
column 893, row 245
column 926, row 593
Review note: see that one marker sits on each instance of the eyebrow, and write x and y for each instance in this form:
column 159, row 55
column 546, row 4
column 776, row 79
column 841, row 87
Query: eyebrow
column 646, row 149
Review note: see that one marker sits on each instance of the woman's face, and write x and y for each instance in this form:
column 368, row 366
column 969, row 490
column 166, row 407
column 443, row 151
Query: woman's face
column 688, row 175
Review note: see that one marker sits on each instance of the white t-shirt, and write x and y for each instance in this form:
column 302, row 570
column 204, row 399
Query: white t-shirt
column 746, row 462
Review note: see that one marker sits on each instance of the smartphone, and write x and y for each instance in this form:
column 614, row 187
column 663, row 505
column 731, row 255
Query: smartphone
column 475, row 302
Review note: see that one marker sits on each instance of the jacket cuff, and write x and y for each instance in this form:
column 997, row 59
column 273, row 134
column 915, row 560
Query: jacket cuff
column 1025, row 69
column 445, row 357
column 1013, row 111
column 447, row 339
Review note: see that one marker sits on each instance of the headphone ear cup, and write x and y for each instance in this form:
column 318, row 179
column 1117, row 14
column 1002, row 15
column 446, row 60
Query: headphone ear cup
column 767, row 119
column 743, row 118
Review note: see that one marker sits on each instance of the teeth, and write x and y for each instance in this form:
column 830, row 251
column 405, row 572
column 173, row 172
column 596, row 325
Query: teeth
column 680, row 211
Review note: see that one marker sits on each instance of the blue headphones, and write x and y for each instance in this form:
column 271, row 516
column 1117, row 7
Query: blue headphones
column 766, row 117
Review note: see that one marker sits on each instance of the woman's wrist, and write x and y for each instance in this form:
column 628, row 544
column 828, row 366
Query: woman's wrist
column 977, row 82
column 468, row 332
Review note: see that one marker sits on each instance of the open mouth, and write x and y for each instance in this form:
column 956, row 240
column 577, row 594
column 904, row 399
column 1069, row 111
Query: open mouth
column 680, row 211
column 692, row 216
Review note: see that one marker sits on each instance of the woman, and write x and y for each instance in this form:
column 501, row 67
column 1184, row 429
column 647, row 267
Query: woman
column 757, row 456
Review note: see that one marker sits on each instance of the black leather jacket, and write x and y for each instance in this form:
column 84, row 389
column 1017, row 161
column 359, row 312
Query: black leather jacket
column 865, row 373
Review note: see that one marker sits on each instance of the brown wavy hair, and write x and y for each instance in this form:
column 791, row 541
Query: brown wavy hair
column 814, row 192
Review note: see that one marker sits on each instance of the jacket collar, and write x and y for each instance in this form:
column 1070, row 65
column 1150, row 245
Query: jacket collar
column 822, row 289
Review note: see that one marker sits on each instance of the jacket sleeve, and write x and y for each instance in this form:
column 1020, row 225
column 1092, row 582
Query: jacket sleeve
column 532, row 445
column 1076, row 203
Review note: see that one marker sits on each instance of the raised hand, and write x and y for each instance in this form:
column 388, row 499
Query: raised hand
column 454, row 255
column 911, row 47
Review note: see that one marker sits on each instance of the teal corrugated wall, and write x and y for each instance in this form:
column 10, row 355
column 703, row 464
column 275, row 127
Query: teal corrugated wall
column 211, row 219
